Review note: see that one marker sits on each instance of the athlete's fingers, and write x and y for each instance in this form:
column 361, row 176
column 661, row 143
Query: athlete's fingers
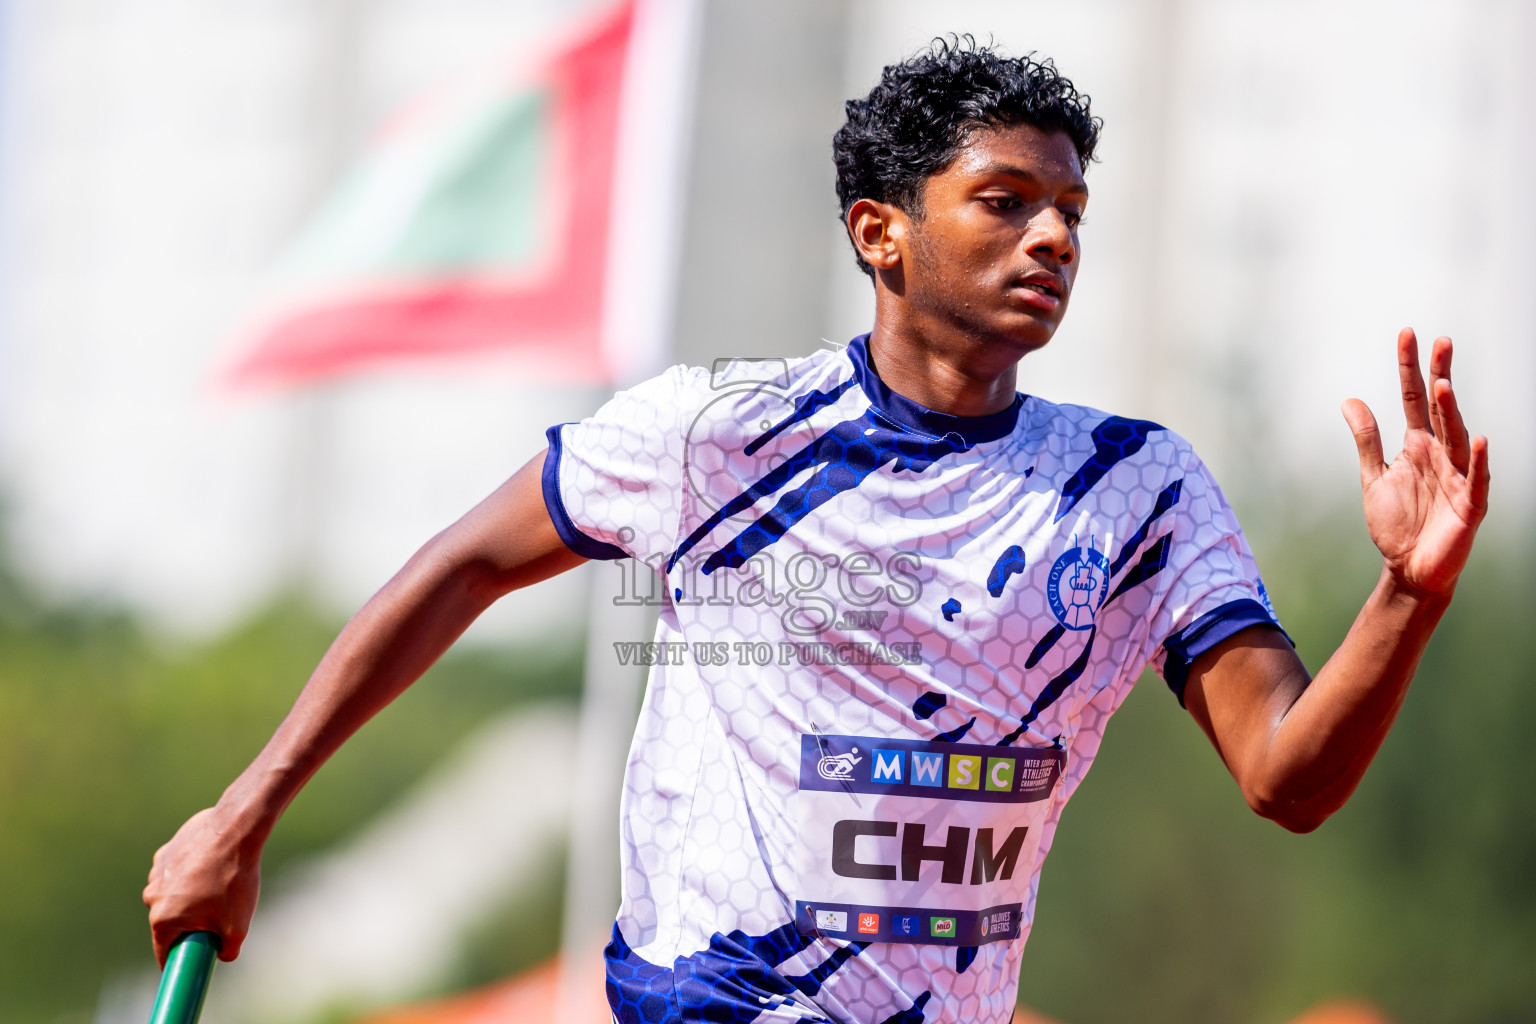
column 1367, row 439
column 1439, row 369
column 230, row 941
column 1440, row 359
column 1453, row 431
column 165, row 931
column 163, row 936
column 152, row 883
column 1477, row 473
column 1415, row 401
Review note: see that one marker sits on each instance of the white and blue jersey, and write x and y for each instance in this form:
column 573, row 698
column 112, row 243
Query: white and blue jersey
column 889, row 643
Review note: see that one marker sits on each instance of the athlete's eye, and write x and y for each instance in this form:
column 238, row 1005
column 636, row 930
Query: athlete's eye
column 1072, row 217
column 1003, row 202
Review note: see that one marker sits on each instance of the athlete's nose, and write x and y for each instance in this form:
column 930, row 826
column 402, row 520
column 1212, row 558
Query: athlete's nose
column 1048, row 233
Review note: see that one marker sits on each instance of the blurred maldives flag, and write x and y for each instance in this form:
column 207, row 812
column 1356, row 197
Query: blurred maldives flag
column 483, row 220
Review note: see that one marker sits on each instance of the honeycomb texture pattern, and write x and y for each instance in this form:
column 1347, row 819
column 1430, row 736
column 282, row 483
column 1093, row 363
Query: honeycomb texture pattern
column 873, row 579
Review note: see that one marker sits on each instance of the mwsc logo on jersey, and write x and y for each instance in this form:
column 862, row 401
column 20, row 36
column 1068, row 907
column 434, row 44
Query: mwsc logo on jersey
column 887, row 766
column 1077, row 585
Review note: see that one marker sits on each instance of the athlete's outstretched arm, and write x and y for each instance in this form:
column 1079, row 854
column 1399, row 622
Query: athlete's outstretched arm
column 1299, row 747
column 207, row 876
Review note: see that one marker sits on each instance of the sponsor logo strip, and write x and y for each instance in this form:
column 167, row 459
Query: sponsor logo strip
column 934, row 770
column 922, row 925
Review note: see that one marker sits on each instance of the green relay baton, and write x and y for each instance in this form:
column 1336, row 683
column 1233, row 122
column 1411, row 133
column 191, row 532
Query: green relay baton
column 185, row 981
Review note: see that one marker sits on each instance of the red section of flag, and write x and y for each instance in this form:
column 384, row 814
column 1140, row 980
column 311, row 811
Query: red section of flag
column 556, row 319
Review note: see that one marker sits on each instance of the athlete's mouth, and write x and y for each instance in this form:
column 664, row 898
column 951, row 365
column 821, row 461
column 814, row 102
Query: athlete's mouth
column 1044, row 283
column 1042, row 290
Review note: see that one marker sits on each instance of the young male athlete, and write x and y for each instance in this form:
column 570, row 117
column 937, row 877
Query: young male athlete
column 904, row 600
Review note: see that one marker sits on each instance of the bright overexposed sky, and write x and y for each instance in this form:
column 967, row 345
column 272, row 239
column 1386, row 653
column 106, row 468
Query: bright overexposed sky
column 1282, row 186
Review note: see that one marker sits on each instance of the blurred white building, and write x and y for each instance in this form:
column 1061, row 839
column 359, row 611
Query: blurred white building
column 1282, row 186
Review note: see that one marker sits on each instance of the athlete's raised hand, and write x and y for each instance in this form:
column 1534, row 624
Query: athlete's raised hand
column 1424, row 509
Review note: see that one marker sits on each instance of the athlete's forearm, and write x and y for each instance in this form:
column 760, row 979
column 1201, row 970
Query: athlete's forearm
column 505, row 543
column 208, row 876
column 1325, row 740
column 386, row 647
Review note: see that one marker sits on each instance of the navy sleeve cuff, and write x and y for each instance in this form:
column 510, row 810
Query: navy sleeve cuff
column 574, row 539
column 1206, row 632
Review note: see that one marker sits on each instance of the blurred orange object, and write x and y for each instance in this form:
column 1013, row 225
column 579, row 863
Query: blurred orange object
column 1023, row 1016
column 1343, row 1013
column 529, row 998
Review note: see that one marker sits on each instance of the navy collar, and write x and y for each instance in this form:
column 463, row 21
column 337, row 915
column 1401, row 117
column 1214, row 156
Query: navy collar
column 973, row 429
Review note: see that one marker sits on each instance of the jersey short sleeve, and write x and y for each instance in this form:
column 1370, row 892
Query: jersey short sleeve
column 613, row 482
column 1215, row 589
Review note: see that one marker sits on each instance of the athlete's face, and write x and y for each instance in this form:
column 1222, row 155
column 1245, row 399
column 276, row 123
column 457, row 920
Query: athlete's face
column 993, row 250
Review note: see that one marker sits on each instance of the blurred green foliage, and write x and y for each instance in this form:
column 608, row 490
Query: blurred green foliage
column 503, row 944
column 108, row 741
column 1165, row 899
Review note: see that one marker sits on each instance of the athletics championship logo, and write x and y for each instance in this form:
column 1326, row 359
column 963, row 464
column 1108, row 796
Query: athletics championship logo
column 837, row 767
column 1077, row 585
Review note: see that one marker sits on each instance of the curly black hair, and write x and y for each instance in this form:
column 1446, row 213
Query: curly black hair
column 914, row 123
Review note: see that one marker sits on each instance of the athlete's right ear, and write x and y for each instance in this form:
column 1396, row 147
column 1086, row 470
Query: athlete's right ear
column 876, row 230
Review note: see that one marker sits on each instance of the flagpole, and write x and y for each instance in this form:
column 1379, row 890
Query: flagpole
column 639, row 301
column 312, row 436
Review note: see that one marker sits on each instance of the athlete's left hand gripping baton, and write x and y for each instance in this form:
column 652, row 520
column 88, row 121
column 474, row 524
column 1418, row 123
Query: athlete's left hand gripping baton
column 185, row 981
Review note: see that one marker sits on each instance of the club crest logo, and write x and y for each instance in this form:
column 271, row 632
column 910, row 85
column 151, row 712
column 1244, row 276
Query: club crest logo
column 1077, row 585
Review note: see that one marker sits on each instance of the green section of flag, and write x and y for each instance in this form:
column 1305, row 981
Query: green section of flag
column 463, row 192
column 483, row 210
